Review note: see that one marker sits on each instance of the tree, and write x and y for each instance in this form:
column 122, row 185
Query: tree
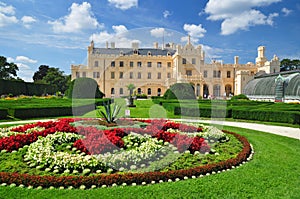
column 57, row 79
column 180, row 91
column 7, row 70
column 130, row 87
column 287, row 64
column 41, row 73
column 84, row 88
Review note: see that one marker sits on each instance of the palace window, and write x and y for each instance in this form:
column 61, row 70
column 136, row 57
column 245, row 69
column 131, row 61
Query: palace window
column 149, row 91
column 158, row 75
column 169, row 75
column 112, row 75
column 139, row 64
column 121, row 63
column 131, row 75
column 96, row 75
column 158, row 64
column 77, row 74
column 139, row 90
column 183, row 60
column 121, row 91
column 149, row 75
column 228, row 74
column 121, row 75
column 83, row 74
column 188, row 73
column 169, row 64
column 205, row 73
column 217, row 74
column 149, row 64
column 139, row 75
column 96, row 64
column 112, row 91
column 131, row 64
column 193, row 60
column 113, row 64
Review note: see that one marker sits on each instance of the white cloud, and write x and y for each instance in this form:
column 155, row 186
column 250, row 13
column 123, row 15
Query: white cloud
column 25, row 72
column 167, row 13
column 195, row 31
column 120, row 29
column 24, row 59
column 80, row 18
column 27, row 21
column 7, row 15
column 124, row 4
column 245, row 20
column 119, row 36
column 239, row 14
column 286, row 11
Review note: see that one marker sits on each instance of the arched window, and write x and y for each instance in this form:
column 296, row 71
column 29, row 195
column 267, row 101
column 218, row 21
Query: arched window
column 149, row 91
column 205, row 91
column 112, row 91
column 139, row 90
column 198, row 90
column 158, row 91
column 228, row 90
column 217, row 90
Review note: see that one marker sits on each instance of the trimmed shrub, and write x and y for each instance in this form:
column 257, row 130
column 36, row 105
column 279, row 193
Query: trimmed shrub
column 24, row 88
column 3, row 113
column 240, row 97
column 202, row 112
column 180, row 91
column 267, row 115
column 84, row 88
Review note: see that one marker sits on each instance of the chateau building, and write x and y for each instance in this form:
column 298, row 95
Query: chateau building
column 154, row 70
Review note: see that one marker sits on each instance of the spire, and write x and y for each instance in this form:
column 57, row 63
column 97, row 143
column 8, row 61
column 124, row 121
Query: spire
column 189, row 39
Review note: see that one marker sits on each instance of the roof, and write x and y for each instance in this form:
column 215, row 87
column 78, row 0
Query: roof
column 130, row 51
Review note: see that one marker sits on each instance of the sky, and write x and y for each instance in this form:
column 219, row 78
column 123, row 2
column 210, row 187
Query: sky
column 57, row 32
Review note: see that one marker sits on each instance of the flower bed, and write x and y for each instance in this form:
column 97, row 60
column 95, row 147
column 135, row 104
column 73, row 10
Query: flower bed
column 72, row 154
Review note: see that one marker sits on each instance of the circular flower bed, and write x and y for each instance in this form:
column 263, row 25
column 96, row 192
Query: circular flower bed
column 82, row 153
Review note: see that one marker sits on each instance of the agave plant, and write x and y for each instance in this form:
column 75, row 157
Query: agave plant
column 110, row 114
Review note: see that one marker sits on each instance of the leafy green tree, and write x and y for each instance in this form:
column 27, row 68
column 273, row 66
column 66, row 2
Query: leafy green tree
column 41, row 73
column 287, row 64
column 7, row 70
column 57, row 79
column 130, row 87
column 180, row 91
column 84, row 88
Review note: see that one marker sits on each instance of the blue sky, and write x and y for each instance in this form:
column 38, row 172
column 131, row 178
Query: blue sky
column 57, row 33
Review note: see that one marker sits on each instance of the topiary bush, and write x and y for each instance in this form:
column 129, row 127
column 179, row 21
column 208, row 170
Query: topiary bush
column 180, row 91
column 84, row 88
column 240, row 97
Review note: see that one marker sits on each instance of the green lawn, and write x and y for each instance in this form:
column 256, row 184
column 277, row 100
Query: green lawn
column 273, row 173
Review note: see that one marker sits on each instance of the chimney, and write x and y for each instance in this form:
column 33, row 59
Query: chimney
column 112, row 45
column 155, row 44
column 135, row 45
column 236, row 60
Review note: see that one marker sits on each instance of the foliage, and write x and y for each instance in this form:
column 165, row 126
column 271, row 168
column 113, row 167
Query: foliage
column 110, row 115
column 41, row 73
column 7, row 70
column 130, row 87
column 180, row 91
column 240, row 97
column 16, row 88
column 287, row 64
column 84, row 88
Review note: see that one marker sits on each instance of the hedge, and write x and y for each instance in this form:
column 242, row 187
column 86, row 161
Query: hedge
column 24, row 88
column 267, row 115
column 25, row 113
column 3, row 113
column 202, row 112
